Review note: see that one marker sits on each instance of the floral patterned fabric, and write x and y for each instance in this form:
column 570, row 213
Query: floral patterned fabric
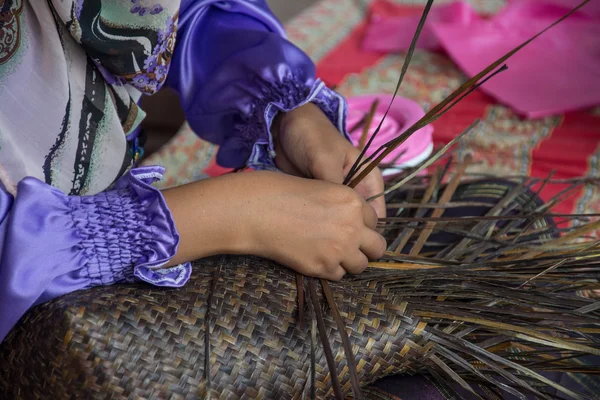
column 71, row 74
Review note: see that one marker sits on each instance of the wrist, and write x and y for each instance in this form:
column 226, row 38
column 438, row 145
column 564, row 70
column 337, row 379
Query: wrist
column 211, row 218
column 294, row 120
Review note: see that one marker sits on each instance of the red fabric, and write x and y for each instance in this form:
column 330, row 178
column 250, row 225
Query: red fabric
column 215, row 169
column 565, row 150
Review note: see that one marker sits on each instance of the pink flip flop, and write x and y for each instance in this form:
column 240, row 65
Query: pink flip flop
column 402, row 115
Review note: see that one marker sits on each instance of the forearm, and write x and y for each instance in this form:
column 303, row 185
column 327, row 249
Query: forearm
column 312, row 226
column 212, row 217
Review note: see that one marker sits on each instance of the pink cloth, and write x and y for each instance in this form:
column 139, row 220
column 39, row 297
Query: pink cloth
column 558, row 72
column 591, row 9
column 395, row 33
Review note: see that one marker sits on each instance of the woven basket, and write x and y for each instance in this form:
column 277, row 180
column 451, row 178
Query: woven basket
column 131, row 340
column 135, row 341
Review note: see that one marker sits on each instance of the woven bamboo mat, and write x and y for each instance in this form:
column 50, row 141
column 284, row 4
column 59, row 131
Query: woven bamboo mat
column 130, row 340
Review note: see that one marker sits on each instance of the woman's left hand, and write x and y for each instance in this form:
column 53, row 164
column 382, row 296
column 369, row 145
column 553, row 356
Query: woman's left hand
column 309, row 145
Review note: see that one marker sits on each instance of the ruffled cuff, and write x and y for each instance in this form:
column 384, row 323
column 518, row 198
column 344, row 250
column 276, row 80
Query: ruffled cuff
column 128, row 233
column 288, row 95
column 54, row 244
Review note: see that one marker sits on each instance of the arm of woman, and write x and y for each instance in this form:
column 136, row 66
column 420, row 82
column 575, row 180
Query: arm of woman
column 235, row 72
column 52, row 244
column 245, row 87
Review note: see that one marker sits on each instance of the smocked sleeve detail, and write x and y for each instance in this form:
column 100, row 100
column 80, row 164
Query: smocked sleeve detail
column 53, row 244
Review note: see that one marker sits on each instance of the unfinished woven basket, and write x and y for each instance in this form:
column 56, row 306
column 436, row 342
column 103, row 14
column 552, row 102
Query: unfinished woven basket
column 133, row 341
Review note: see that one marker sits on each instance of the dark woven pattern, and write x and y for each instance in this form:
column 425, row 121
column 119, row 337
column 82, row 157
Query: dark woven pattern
column 122, row 341
column 113, row 342
column 134, row 341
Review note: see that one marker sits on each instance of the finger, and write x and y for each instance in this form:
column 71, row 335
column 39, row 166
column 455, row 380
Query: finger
column 356, row 263
column 335, row 275
column 373, row 245
column 351, row 156
column 378, row 187
column 327, row 168
column 378, row 205
column 371, row 186
column 370, row 217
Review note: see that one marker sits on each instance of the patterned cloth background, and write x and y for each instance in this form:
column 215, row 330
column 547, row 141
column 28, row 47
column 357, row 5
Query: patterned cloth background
column 318, row 31
column 331, row 31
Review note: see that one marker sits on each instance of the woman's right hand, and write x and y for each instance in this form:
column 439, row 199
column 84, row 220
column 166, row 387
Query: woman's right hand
column 315, row 227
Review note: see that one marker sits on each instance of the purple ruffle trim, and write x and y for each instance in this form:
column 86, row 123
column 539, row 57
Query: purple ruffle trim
column 128, row 233
column 263, row 150
column 53, row 244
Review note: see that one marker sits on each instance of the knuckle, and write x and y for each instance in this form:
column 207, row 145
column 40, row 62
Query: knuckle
column 327, row 263
column 360, row 266
column 320, row 159
column 347, row 196
column 331, row 267
column 354, row 201
column 320, row 270
column 364, row 265
column 334, row 251
column 338, row 275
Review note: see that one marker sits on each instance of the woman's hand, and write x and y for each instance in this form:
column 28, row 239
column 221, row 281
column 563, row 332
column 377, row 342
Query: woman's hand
column 315, row 227
column 308, row 145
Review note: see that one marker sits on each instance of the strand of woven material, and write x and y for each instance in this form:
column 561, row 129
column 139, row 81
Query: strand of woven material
column 69, row 134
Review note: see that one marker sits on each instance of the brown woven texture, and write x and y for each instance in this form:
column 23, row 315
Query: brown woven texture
column 126, row 341
column 135, row 341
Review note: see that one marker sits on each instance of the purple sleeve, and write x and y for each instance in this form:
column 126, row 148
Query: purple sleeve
column 234, row 71
column 52, row 244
